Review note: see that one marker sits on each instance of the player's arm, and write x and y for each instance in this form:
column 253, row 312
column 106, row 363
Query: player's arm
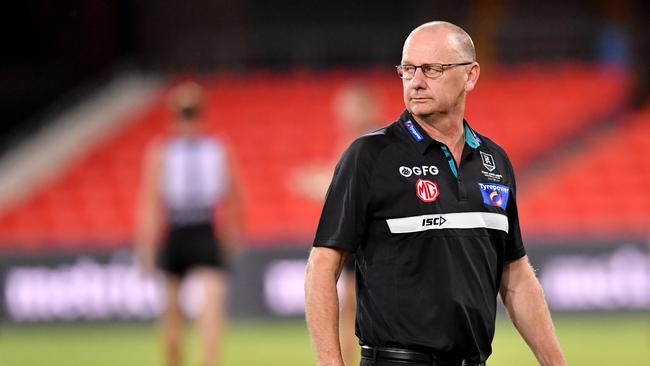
column 523, row 298
column 233, row 213
column 149, row 211
column 322, row 303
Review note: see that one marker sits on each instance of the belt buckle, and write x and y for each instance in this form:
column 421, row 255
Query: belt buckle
column 373, row 351
column 465, row 362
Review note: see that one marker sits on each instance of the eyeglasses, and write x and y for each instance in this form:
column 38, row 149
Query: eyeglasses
column 432, row 71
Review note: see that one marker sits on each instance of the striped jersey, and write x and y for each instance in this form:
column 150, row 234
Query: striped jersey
column 194, row 178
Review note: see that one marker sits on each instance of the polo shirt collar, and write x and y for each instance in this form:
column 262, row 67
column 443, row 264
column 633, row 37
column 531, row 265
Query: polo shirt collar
column 422, row 140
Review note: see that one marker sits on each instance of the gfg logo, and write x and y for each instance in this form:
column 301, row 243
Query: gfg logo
column 418, row 170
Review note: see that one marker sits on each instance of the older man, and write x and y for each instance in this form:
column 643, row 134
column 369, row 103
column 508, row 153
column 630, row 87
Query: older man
column 429, row 207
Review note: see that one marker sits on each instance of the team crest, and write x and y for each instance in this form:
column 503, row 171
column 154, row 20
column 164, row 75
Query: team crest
column 488, row 161
column 427, row 190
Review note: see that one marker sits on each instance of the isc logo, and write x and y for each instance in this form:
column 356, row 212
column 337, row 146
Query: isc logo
column 433, row 221
column 427, row 190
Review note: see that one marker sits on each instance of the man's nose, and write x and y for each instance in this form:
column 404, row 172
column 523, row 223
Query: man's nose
column 419, row 79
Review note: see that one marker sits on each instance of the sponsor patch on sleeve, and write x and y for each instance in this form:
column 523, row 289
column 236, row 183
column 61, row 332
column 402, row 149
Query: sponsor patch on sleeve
column 414, row 131
column 494, row 194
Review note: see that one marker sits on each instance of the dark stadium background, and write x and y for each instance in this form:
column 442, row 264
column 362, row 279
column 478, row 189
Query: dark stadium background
column 564, row 87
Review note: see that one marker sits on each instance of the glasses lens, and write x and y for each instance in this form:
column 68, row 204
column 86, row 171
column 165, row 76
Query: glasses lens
column 432, row 71
column 405, row 72
column 400, row 71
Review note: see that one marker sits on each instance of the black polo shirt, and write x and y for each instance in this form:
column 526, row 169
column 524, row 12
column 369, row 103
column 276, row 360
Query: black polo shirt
column 430, row 236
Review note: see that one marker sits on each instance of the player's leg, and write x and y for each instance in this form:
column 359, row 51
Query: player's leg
column 172, row 322
column 212, row 317
column 349, row 344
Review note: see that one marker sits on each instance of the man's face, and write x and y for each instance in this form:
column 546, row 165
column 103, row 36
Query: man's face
column 424, row 96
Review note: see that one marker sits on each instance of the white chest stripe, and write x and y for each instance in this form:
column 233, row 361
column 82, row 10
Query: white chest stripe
column 460, row 220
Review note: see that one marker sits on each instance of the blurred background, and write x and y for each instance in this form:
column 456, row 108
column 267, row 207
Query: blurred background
column 564, row 89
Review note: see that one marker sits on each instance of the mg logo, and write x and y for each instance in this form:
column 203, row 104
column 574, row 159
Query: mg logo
column 427, row 190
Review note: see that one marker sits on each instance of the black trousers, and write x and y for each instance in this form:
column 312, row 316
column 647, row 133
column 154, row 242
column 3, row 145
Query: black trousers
column 369, row 362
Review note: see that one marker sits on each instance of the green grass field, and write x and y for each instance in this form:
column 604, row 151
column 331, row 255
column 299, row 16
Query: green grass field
column 586, row 340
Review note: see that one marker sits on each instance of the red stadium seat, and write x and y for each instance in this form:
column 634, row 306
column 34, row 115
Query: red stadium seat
column 605, row 194
column 278, row 123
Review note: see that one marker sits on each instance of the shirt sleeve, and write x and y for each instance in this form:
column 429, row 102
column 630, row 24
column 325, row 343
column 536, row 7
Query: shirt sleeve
column 514, row 242
column 343, row 219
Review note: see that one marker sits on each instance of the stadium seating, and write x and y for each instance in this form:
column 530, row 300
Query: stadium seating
column 277, row 123
column 601, row 190
column 534, row 108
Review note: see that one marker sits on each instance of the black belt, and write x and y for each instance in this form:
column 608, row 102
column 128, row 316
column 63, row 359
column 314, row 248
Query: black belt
column 403, row 355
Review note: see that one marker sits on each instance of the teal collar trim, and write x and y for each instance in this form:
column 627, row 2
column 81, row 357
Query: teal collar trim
column 471, row 139
column 450, row 160
column 423, row 140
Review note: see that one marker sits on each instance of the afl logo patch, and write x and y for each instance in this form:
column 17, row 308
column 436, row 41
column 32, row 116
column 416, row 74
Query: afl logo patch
column 488, row 161
column 426, row 190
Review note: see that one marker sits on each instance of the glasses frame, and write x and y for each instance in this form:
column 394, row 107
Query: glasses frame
column 442, row 68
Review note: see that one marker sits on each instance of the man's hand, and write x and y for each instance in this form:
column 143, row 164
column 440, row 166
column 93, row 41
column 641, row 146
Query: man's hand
column 523, row 298
column 322, row 303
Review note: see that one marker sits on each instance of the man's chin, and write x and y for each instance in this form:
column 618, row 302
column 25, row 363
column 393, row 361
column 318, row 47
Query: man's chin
column 421, row 111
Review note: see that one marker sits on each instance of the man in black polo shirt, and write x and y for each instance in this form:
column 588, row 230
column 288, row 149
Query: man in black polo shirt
column 429, row 207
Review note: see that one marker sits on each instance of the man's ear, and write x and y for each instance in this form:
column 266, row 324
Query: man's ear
column 472, row 77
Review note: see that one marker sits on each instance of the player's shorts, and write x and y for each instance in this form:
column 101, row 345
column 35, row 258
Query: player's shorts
column 348, row 265
column 188, row 247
